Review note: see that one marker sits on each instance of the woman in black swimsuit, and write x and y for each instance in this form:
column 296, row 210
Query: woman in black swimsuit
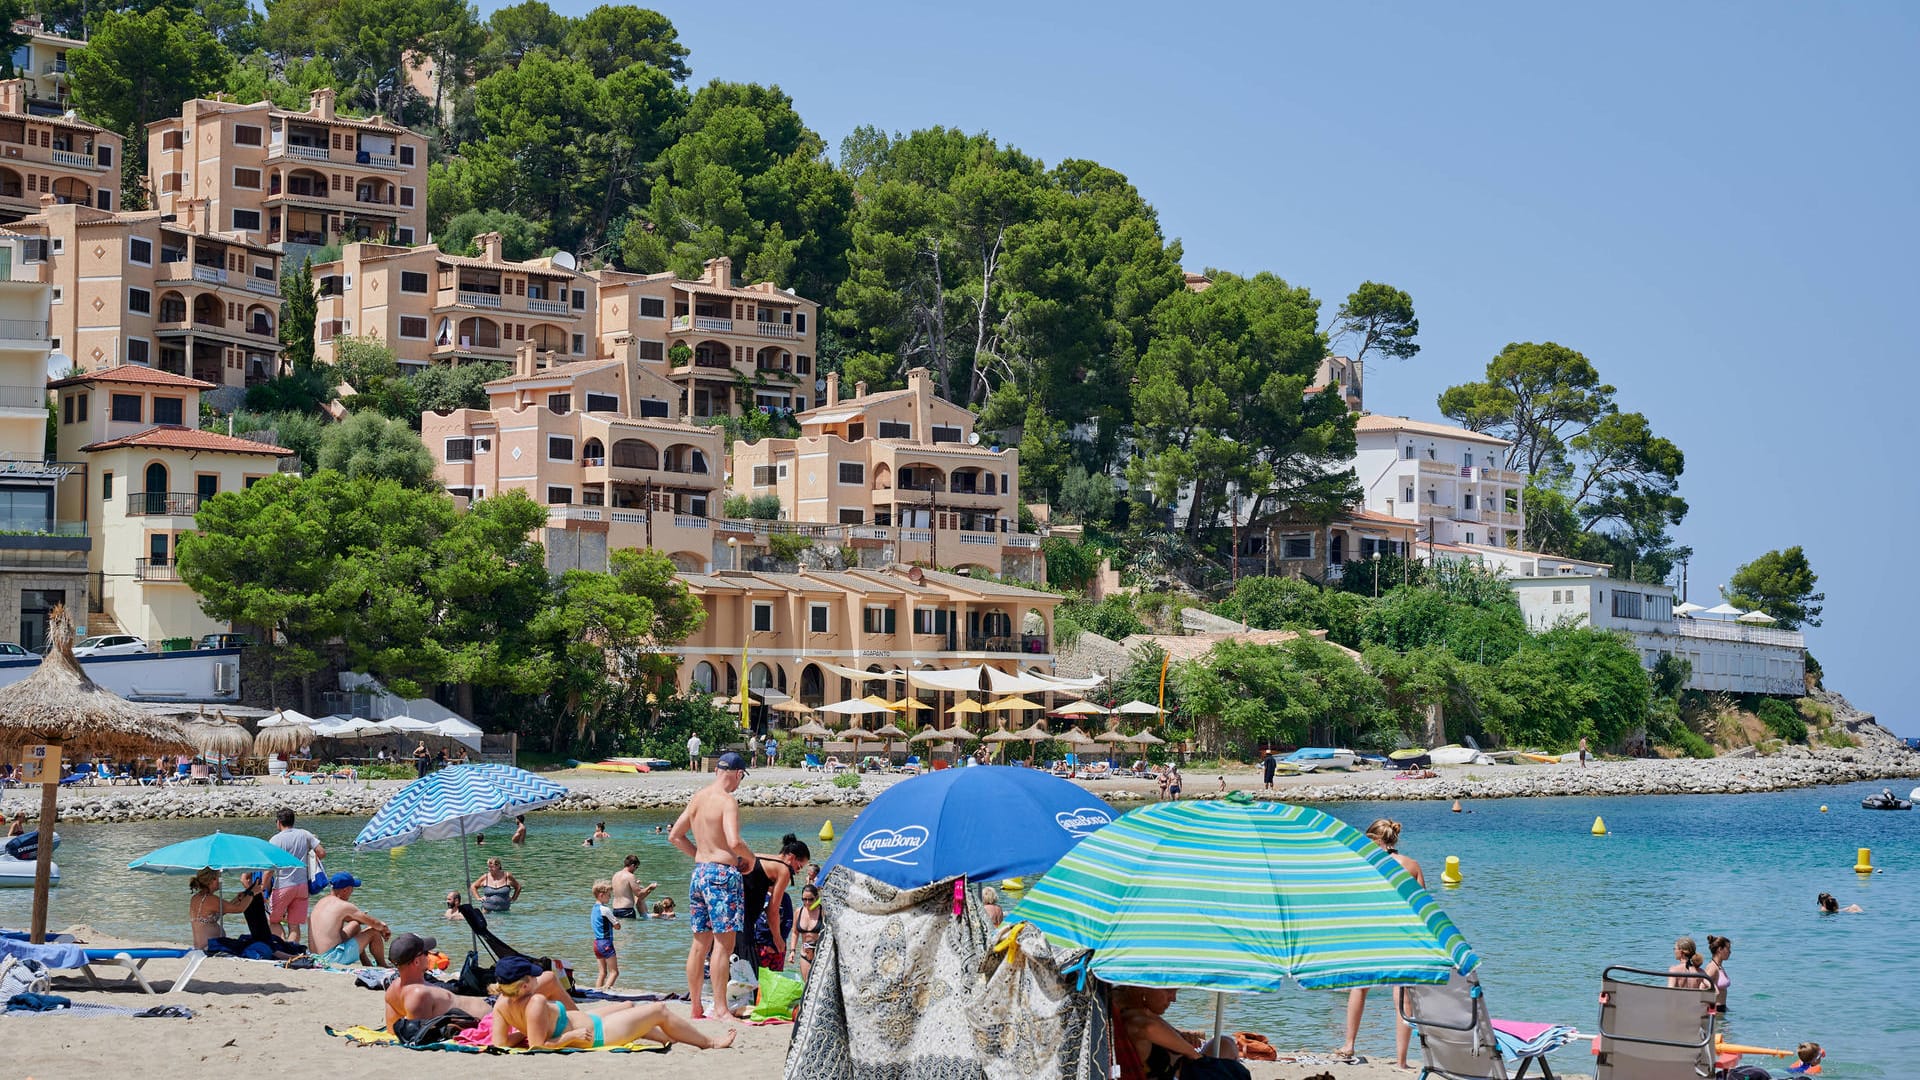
column 765, row 885
column 807, row 923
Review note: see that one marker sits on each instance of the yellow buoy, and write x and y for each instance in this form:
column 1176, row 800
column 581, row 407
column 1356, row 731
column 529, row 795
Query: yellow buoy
column 1599, row 827
column 826, row 831
column 1864, row 863
column 1451, row 874
column 394, row 853
column 1013, row 884
column 1823, row 809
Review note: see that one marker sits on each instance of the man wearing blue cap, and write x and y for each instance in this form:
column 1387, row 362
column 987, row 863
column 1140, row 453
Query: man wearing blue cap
column 708, row 830
column 339, row 932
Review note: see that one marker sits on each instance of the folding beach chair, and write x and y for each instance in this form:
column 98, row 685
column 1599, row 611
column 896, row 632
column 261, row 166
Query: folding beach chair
column 1652, row 1031
column 1460, row 1041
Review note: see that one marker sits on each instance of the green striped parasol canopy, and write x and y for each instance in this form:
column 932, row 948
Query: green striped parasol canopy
column 1233, row 895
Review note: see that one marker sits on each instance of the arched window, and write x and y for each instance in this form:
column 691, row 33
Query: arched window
column 593, row 452
column 703, row 677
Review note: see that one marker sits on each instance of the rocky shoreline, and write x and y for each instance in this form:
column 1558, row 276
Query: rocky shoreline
column 1795, row 767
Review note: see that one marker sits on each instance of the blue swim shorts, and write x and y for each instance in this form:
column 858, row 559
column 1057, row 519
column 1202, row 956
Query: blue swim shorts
column 719, row 899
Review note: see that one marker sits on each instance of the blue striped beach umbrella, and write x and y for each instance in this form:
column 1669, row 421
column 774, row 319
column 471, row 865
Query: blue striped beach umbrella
column 454, row 802
column 1233, row 895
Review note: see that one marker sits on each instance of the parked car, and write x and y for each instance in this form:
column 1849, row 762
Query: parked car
column 225, row 641
column 110, row 645
column 11, row 651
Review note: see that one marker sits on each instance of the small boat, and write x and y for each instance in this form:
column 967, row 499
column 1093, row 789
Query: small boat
column 1886, row 800
column 18, row 859
column 1539, row 759
column 622, row 765
column 1456, row 754
column 1309, row 758
column 1413, row 757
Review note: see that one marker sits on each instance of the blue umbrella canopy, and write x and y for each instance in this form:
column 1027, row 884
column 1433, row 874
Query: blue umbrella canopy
column 456, row 801
column 220, row 851
column 1237, row 895
column 986, row 823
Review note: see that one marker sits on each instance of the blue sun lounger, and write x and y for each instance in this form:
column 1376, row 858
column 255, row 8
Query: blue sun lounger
column 65, row 956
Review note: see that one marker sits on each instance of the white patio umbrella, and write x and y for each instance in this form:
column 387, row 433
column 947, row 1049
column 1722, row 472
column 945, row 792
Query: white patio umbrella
column 854, row 707
column 1082, row 708
column 1757, row 618
column 1686, row 609
column 1724, row 611
column 1139, row 708
column 407, row 725
column 460, row 731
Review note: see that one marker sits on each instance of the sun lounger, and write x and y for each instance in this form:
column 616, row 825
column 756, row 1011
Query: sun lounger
column 911, row 765
column 811, row 763
column 65, row 956
column 1652, row 1031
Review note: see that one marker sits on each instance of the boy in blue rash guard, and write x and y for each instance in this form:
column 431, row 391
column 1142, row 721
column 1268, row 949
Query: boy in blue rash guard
column 603, row 924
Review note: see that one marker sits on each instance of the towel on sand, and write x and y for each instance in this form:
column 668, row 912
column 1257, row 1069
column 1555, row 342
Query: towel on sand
column 360, row 1035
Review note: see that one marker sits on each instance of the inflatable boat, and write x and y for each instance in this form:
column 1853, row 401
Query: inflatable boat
column 1886, row 800
column 1309, row 758
column 18, row 858
column 1459, row 755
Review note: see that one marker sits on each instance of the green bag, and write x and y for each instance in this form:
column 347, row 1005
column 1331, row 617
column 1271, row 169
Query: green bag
column 779, row 996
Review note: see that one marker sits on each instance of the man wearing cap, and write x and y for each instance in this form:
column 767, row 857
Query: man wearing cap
column 340, row 932
column 411, row 996
column 708, row 830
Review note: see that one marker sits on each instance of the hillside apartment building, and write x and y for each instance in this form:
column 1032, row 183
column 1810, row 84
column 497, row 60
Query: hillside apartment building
column 1450, row 481
column 431, row 307
column 57, row 157
column 294, row 180
column 901, row 477
column 174, row 295
column 41, row 63
column 148, row 469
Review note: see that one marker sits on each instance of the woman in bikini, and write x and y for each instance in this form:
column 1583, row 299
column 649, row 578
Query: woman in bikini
column 207, row 911
column 1145, row 1046
column 1718, row 950
column 1386, row 833
column 1687, row 972
column 496, row 890
column 549, row 1023
column 807, row 923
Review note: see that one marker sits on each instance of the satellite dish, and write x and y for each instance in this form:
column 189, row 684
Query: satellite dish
column 973, row 439
column 820, row 385
column 565, row 260
column 58, row 364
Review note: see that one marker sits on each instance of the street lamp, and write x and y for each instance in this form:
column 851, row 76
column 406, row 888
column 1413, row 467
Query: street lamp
column 1376, row 574
column 733, row 545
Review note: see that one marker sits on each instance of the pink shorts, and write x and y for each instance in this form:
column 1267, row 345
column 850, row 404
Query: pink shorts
column 288, row 905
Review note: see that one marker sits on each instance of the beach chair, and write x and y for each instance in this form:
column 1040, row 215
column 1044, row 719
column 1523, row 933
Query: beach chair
column 911, row 765
column 1652, row 1031
column 811, row 763
column 133, row 961
column 1460, row 1041
column 82, row 775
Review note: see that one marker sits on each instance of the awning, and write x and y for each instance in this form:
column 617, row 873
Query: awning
column 855, row 673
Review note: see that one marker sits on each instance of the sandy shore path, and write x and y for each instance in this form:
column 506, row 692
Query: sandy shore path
column 251, row 1016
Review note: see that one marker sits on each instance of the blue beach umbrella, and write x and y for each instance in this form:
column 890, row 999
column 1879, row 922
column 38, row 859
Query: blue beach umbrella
column 985, row 823
column 220, row 851
column 454, row 802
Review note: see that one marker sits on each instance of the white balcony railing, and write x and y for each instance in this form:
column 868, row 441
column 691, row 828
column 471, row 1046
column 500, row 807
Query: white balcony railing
column 311, row 153
column 773, row 329
column 1713, row 630
column 708, row 322
column 628, row 517
column 688, row 521
column 917, row 536
column 550, row 307
column 378, row 161
column 867, row 532
column 982, row 539
column 213, row 274
column 264, row 285
column 73, row 160
column 479, row 299
column 1023, row 541
column 23, row 330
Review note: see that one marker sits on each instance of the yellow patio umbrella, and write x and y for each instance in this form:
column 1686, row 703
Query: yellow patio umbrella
column 1015, row 704
column 906, row 703
column 876, row 699
column 967, row 707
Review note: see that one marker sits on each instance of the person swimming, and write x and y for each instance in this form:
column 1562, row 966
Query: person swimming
column 1829, row 906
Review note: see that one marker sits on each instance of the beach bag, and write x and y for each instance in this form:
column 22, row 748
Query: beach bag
column 475, row 977
column 18, row 976
column 442, row 1028
column 316, row 875
column 779, row 996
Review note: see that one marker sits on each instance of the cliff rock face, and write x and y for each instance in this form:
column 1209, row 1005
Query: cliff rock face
column 1861, row 725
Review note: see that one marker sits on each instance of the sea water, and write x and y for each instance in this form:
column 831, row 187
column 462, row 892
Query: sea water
column 1546, row 904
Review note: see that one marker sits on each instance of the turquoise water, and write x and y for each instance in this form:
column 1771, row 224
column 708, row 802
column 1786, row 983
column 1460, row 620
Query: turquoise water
column 1545, row 904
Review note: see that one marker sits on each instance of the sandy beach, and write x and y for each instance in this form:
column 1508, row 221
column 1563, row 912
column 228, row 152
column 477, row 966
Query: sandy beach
column 250, row 1015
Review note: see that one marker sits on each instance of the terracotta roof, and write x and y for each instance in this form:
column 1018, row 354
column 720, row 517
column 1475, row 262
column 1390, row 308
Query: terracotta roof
column 376, row 252
column 1375, row 422
column 208, row 105
column 984, row 587
column 134, row 375
column 1359, row 515
column 769, row 293
column 185, row 438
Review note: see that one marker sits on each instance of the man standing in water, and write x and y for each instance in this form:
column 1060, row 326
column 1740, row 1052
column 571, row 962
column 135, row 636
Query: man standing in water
column 717, row 896
column 628, row 894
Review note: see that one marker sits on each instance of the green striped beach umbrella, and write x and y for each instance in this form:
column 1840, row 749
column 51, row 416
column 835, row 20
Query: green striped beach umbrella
column 1233, row 895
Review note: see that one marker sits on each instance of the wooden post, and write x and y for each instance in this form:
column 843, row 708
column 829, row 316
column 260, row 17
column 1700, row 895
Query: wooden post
column 43, row 860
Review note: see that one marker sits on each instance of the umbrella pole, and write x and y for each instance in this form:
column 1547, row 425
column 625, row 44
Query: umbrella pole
column 468, row 883
column 1219, row 1013
column 43, row 860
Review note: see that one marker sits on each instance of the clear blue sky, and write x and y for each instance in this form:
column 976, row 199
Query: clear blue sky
column 1716, row 203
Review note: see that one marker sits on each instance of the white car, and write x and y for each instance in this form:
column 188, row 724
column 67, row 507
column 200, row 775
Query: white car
column 12, row 651
column 110, row 645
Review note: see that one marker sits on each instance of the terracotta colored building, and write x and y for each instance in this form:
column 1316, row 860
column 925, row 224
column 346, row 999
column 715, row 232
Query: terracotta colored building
column 177, row 296
column 432, row 307
column 58, row 157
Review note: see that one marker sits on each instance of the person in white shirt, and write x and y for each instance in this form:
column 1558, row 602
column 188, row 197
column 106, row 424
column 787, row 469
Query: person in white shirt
column 693, row 752
column 287, row 906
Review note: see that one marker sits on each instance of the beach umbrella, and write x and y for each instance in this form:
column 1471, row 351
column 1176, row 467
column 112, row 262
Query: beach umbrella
column 284, row 732
column 930, row 828
column 1082, row 708
column 879, row 702
column 1140, row 708
column 219, row 851
column 1075, row 737
column 1146, row 738
column 459, row 730
column 1037, row 733
column 1015, row 704
column 794, row 706
column 1757, row 618
column 812, row 729
column 966, row 707
column 928, row 735
column 1725, row 611
column 1686, row 609
column 407, row 725
column 854, row 707
column 219, row 738
column 1232, row 895
column 890, row 732
column 58, row 706
column 906, row 703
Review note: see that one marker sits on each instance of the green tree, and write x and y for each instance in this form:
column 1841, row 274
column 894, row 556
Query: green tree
column 139, row 67
column 756, row 507
column 518, row 29
column 1780, row 583
column 443, row 389
column 298, row 431
column 12, row 12
column 297, row 29
column 613, row 37
column 1221, row 405
column 288, row 84
column 379, row 41
column 490, row 582
column 520, row 239
column 1377, row 318
column 1086, row 496
column 373, row 446
column 299, row 311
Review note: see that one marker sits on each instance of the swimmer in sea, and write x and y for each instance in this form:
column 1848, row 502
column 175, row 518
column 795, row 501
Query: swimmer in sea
column 1829, row 906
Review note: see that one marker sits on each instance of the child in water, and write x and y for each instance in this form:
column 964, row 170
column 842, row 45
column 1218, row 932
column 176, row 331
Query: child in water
column 663, row 908
column 603, row 924
column 1810, row 1057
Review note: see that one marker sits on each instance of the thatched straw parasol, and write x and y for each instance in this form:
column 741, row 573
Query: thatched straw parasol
column 58, row 705
column 285, row 737
column 219, row 738
column 812, row 729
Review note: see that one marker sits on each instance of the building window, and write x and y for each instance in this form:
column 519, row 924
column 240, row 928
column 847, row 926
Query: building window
column 893, row 429
column 140, row 251
column 1406, row 496
column 579, row 300
column 1406, row 452
column 763, row 476
column 879, row 620
column 413, row 326
column 579, row 344
column 800, row 323
column 603, row 403
column 126, row 408
column 206, row 485
column 803, row 365
column 459, row 449
column 406, row 155
column 559, row 496
column 413, row 281
column 168, row 410
column 80, row 408
column 247, row 178
column 946, row 433
column 1467, row 459
column 106, row 487
column 559, row 448
column 852, row 472
column 1626, row 605
column 762, row 616
column 330, row 285
column 403, row 235
column 852, row 515
column 138, row 351
column 243, row 135
column 817, row 618
column 1470, row 538
column 59, row 296
column 139, row 301
column 406, row 196
column 652, row 307
column 560, row 404
column 652, row 350
column 1296, row 547
column 246, row 220
column 654, row 407
column 930, row 620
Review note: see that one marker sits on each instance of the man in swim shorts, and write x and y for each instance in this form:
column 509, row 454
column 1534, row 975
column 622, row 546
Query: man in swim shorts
column 628, row 894
column 708, row 830
column 287, row 907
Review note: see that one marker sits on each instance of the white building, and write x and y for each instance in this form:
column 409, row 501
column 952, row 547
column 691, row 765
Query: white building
column 1449, row 480
column 1727, row 657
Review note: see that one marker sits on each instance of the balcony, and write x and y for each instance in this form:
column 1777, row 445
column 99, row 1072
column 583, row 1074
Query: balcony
column 1021, row 542
column 213, row 275
column 703, row 322
column 264, row 286
column 548, row 307
column 1010, row 643
column 478, row 299
column 162, row 504
column 155, row 570
column 23, row 330
column 73, row 160
column 378, row 161
column 54, row 67
column 1441, row 468
column 31, row 398
column 773, row 329
column 980, row 539
column 305, row 153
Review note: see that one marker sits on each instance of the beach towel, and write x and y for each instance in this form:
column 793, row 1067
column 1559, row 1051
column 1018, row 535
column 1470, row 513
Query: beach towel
column 345, row 954
column 1034, row 1018
column 360, row 1035
column 1521, row 1039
